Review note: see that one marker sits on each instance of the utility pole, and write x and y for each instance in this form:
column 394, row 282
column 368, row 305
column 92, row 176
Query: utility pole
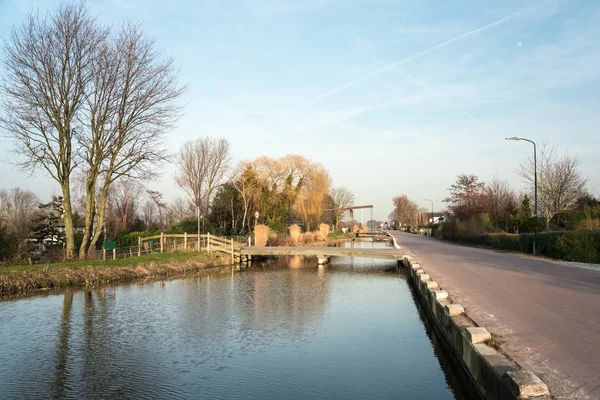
column 535, row 232
column 431, row 210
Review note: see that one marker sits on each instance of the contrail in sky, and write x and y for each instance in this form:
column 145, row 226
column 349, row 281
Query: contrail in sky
column 419, row 54
column 453, row 104
column 432, row 90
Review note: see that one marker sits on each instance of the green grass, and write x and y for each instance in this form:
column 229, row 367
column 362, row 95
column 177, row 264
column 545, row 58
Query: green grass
column 30, row 278
column 494, row 343
column 339, row 235
column 156, row 258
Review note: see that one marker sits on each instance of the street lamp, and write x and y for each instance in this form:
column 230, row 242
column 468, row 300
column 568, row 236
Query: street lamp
column 534, row 184
column 431, row 210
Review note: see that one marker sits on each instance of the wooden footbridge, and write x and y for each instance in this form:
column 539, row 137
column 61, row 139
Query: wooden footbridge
column 241, row 253
column 321, row 252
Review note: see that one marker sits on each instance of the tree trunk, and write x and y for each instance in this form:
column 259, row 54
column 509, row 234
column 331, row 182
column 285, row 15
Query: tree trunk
column 90, row 205
column 68, row 221
column 101, row 210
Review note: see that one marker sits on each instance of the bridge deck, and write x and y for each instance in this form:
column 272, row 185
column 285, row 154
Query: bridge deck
column 320, row 251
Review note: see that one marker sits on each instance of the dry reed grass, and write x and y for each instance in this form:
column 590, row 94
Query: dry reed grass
column 283, row 240
column 323, row 232
column 364, row 229
column 355, row 228
column 261, row 235
column 308, row 238
column 295, row 232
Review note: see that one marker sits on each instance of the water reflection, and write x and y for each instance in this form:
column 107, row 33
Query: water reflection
column 287, row 328
column 62, row 351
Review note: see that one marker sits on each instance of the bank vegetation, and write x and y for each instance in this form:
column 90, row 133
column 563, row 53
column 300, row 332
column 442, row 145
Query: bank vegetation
column 32, row 278
column 566, row 227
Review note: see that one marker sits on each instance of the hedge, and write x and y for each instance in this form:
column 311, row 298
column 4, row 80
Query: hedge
column 578, row 246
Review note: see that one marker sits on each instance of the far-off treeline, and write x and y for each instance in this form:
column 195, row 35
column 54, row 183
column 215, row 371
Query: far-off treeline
column 564, row 223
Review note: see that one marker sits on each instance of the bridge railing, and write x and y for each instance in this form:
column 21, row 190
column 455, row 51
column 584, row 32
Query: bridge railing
column 190, row 242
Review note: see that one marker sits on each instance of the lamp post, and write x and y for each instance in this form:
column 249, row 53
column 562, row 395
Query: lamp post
column 534, row 185
column 431, row 210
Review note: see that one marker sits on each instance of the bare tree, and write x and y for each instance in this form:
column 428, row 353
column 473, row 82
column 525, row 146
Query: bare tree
column 122, row 204
column 502, row 203
column 129, row 110
column 148, row 212
column 178, row 210
column 467, row 195
column 203, row 164
column 46, row 73
column 560, row 184
column 24, row 207
column 242, row 181
column 341, row 197
column 77, row 95
column 156, row 198
column 5, row 208
column 405, row 210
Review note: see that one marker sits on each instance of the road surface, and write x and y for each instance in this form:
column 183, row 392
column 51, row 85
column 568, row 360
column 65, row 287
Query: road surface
column 546, row 315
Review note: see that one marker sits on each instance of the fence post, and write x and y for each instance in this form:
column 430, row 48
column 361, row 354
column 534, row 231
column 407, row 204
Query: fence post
column 184, row 241
column 208, row 242
column 232, row 257
column 139, row 246
column 103, row 254
column 115, row 253
column 161, row 241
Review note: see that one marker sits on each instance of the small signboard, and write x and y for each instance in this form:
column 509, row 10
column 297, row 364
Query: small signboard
column 256, row 214
column 110, row 244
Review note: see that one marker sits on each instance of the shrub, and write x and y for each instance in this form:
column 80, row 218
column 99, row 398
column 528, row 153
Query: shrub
column 502, row 241
column 307, row 238
column 578, row 246
column 295, row 232
column 125, row 238
column 185, row 225
column 276, row 226
column 282, row 240
column 261, row 235
column 9, row 245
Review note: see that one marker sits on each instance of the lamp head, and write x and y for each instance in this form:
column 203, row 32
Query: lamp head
column 513, row 138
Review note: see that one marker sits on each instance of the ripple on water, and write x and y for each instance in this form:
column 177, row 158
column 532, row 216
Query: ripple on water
column 348, row 330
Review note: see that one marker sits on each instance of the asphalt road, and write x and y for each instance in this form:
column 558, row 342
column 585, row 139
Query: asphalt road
column 546, row 315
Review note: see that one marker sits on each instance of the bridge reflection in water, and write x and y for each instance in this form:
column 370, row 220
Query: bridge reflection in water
column 284, row 328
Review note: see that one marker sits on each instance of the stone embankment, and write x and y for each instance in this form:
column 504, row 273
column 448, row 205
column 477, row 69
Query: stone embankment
column 495, row 376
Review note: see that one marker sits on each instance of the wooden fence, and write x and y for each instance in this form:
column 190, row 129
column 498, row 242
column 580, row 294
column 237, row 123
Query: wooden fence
column 190, row 242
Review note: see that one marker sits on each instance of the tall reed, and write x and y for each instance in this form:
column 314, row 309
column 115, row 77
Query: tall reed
column 323, row 231
column 295, row 232
column 261, row 235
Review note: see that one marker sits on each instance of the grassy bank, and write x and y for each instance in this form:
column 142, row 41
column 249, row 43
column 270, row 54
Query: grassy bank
column 29, row 278
column 340, row 236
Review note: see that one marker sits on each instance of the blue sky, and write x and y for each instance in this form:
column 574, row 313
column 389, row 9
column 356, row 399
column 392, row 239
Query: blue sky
column 390, row 96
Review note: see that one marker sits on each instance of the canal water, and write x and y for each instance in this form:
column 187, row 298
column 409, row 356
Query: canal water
column 282, row 329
